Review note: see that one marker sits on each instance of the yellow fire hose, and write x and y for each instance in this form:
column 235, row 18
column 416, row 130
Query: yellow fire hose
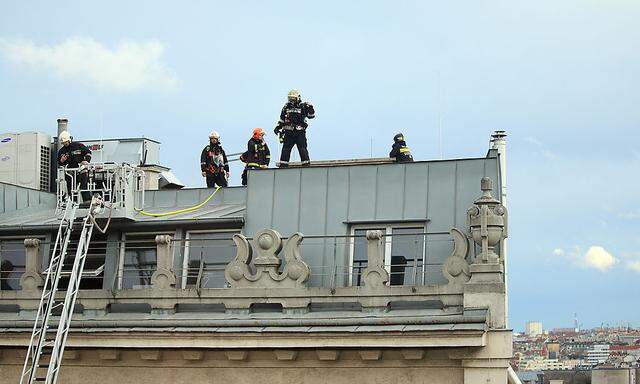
column 184, row 210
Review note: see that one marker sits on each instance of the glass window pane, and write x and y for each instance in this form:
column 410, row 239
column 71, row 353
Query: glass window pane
column 407, row 249
column 95, row 259
column 12, row 264
column 140, row 260
column 214, row 250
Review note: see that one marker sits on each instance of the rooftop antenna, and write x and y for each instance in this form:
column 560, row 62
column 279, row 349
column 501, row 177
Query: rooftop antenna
column 101, row 136
column 371, row 148
column 439, row 102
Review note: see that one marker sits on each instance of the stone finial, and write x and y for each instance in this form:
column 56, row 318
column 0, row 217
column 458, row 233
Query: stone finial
column 487, row 220
column 375, row 275
column 163, row 277
column 456, row 268
column 268, row 244
column 32, row 279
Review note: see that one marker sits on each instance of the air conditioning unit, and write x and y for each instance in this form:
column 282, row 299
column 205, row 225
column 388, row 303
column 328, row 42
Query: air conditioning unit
column 25, row 159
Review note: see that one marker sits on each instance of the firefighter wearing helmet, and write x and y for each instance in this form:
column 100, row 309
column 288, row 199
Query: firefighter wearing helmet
column 292, row 128
column 73, row 154
column 399, row 150
column 257, row 155
column 213, row 162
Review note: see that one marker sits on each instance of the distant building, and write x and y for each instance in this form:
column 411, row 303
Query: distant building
column 598, row 354
column 533, row 328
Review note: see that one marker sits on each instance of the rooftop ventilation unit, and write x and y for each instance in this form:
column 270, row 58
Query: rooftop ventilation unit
column 25, row 159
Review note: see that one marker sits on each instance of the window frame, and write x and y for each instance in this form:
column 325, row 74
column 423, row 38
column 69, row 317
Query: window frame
column 186, row 252
column 388, row 233
column 122, row 250
column 42, row 239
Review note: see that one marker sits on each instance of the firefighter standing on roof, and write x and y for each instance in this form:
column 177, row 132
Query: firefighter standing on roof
column 292, row 128
column 74, row 154
column 213, row 162
column 399, row 150
column 257, row 155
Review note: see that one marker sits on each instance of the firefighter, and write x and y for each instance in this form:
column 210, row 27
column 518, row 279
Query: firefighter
column 292, row 128
column 257, row 155
column 213, row 162
column 399, row 150
column 74, row 154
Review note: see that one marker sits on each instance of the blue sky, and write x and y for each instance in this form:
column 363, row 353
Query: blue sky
column 561, row 77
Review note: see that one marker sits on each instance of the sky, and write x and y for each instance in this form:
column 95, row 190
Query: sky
column 561, row 77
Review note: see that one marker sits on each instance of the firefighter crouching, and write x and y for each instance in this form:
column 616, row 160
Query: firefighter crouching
column 213, row 162
column 292, row 128
column 257, row 155
column 73, row 154
column 399, row 150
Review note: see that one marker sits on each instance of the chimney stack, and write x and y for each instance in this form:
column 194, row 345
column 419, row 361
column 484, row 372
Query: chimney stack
column 62, row 125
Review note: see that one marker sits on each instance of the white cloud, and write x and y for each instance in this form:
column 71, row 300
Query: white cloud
column 634, row 266
column 129, row 66
column 558, row 252
column 597, row 257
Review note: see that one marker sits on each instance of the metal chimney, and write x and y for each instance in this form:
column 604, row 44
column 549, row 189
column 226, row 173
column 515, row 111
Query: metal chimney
column 499, row 143
column 62, row 125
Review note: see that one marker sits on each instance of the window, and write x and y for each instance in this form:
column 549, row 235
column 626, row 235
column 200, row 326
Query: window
column 92, row 276
column 403, row 253
column 205, row 257
column 138, row 260
column 12, row 263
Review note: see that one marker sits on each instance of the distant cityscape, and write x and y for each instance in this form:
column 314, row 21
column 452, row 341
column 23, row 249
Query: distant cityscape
column 539, row 354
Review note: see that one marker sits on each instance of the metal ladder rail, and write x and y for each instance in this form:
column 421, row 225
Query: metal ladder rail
column 41, row 323
column 69, row 303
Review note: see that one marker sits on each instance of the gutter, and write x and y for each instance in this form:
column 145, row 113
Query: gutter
column 224, row 323
column 235, row 222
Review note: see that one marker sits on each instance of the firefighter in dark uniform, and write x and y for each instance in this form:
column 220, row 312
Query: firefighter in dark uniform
column 257, row 155
column 73, row 154
column 399, row 150
column 213, row 162
column 292, row 128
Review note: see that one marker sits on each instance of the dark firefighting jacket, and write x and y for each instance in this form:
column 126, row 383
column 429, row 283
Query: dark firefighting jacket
column 76, row 152
column 401, row 152
column 213, row 159
column 257, row 153
column 294, row 115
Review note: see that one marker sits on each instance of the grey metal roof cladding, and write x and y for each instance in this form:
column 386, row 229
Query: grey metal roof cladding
column 38, row 208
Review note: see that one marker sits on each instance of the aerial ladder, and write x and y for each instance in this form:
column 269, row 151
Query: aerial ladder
column 53, row 318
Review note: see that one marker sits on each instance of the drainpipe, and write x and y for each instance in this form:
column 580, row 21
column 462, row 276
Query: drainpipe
column 499, row 143
column 512, row 378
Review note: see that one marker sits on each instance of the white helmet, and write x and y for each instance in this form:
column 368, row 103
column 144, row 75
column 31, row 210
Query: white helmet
column 65, row 137
column 293, row 94
column 214, row 135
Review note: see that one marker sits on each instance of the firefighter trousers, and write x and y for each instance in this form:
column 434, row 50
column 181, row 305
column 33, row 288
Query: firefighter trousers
column 299, row 139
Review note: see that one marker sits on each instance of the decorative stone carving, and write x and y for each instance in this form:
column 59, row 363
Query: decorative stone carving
column 487, row 220
column 456, row 268
column 163, row 277
column 375, row 275
column 32, row 279
column 268, row 244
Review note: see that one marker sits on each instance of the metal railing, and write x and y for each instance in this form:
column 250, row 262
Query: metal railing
column 116, row 183
column 335, row 261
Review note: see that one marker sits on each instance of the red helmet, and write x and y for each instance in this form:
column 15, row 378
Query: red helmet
column 257, row 133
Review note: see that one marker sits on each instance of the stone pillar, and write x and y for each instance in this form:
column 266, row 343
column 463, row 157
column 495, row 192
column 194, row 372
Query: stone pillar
column 163, row 277
column 375, row 275
column 487, row 220
column 31, row 279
